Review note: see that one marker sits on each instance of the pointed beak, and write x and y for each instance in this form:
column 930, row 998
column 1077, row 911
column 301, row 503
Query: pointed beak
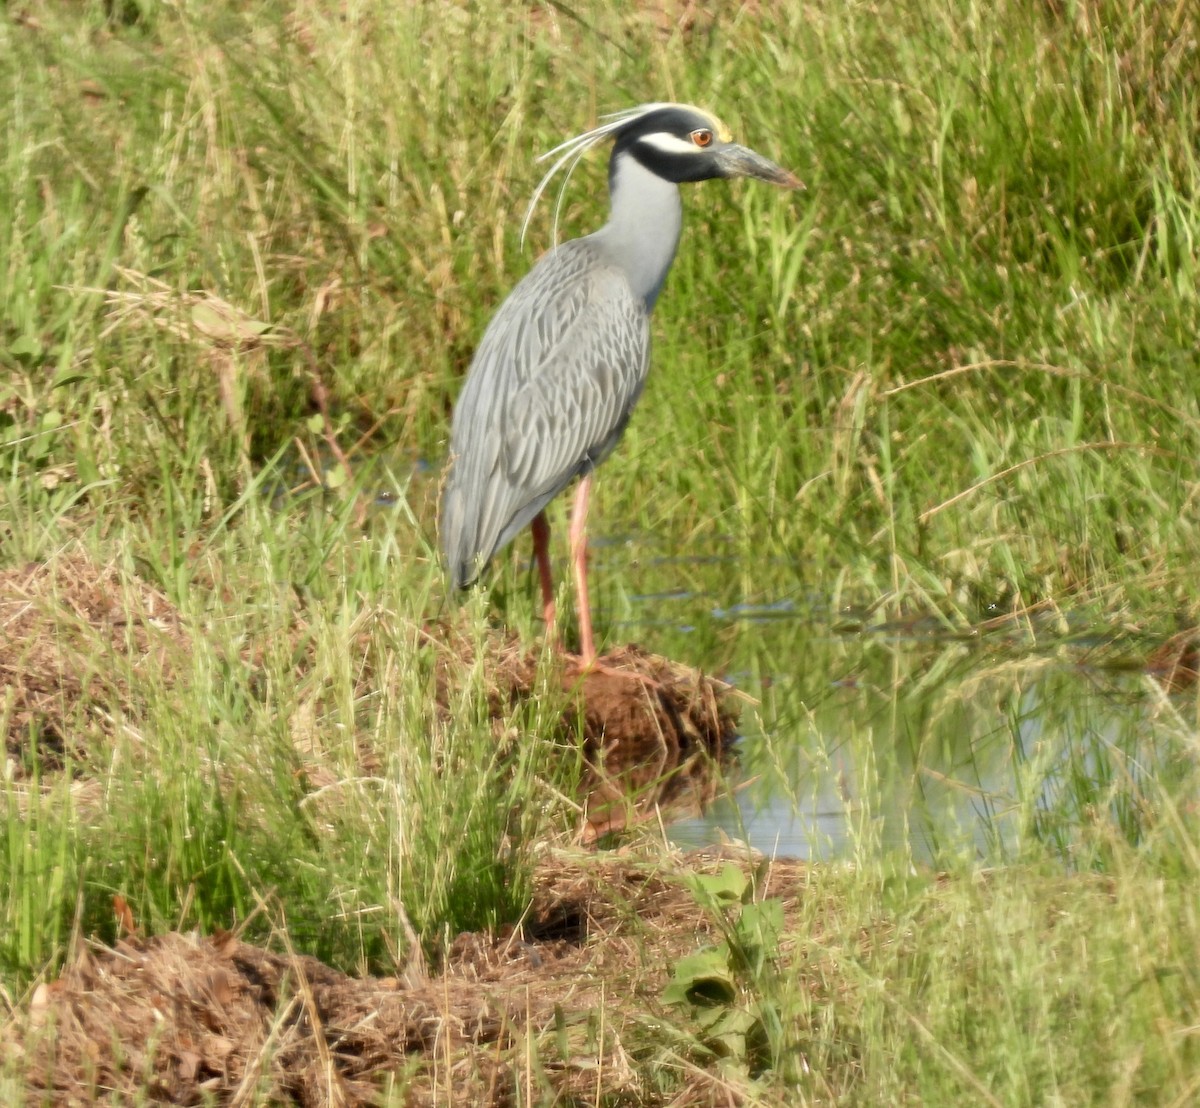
column 738, row 161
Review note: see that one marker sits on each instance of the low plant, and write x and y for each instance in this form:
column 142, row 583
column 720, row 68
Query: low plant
column 727, row 987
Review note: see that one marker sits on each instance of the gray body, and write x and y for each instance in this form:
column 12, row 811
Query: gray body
column 564, row 360
column 558, row 372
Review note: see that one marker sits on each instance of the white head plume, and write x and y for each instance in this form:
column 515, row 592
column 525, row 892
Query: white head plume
column 570, row 151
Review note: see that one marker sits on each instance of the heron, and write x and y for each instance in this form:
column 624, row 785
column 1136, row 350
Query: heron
column 564, row 359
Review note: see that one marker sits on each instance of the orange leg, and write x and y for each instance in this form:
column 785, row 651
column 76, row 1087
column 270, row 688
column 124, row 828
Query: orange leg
column 578, row 544
column 541, row 553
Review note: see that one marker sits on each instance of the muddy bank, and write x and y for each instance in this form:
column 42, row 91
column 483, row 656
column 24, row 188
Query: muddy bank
column 84, row 644
column 563, row 1005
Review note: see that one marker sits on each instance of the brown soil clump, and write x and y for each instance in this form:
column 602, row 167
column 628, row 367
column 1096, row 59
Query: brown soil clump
column 654, row 731
column 189, row 1019
column 72, row 636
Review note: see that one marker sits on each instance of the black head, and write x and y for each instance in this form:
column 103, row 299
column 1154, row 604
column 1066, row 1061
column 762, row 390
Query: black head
column 680, row 143
column 675, row 141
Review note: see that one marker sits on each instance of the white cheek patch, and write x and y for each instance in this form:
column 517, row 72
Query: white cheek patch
column 667, row 143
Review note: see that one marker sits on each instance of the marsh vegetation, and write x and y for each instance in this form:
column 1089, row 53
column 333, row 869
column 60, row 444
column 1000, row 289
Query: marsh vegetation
column 917, row 470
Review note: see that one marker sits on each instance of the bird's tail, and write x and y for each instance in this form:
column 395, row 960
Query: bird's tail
column 457, row 547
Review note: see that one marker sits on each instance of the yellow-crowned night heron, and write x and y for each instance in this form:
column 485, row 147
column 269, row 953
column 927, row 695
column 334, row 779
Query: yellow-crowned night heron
column 564, row 359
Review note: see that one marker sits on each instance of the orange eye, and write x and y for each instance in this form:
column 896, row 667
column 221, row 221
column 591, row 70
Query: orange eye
column 702, row 137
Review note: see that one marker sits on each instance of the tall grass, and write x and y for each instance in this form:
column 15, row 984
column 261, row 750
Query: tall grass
column 965, row 349
column 956, row 376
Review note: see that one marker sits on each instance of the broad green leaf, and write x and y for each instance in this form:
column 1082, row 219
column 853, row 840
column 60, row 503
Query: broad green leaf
column 723, row 888
column 760, row 925
column 702, row 979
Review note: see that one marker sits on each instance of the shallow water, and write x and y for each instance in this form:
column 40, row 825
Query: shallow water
column 905, row 733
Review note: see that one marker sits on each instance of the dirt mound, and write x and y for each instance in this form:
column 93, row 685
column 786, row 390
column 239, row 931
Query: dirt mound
column 77, row 638
column 654, row 731
column 190, row 1019
column 184, row 1017
column 73, row 635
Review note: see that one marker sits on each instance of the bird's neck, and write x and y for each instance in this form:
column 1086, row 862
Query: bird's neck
column 642, row 231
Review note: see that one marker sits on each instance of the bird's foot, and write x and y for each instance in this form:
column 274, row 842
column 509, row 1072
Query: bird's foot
column 584, row 665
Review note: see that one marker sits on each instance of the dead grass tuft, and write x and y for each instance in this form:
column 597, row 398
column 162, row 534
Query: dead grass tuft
column 73, row 636
column 183, row 1018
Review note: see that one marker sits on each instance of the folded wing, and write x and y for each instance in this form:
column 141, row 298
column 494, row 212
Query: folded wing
column 547, row 397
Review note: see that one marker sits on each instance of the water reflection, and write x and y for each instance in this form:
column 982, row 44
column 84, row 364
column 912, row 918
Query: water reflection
column 913, row 733
column 909, row 733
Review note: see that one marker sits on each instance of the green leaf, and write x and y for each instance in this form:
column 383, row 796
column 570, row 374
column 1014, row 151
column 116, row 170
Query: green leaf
column 759, row 926
column 86, row 468
column 719, row 889
column 703, row 980
column 729, row 1035
column 25, row 349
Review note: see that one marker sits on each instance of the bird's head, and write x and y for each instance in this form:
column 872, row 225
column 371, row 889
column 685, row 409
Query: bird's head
column 675, row 141
column 680, row 143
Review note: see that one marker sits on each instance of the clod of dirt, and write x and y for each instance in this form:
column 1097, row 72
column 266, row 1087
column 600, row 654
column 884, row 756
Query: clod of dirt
column 654, row 731
column 72, row 634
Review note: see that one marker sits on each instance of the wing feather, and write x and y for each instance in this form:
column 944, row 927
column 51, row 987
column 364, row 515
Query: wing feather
column 547, row 397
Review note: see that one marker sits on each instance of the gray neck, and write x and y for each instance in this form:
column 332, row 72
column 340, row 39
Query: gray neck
column 642, row 231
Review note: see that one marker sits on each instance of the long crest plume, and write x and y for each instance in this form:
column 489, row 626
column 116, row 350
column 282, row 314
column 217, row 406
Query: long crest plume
column 568, row 154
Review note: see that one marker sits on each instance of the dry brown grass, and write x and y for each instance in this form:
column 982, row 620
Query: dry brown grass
column 74, row 635
column 184, row 1017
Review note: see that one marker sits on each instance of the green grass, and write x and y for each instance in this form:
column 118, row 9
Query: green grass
column 956, row 377
column 988, row 991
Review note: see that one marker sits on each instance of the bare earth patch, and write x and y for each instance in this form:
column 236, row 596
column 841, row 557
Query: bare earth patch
column 77, row 639
column 73, row 638
column 561, row 1006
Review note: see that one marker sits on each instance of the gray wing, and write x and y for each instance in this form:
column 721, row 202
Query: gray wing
column 547, row 397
